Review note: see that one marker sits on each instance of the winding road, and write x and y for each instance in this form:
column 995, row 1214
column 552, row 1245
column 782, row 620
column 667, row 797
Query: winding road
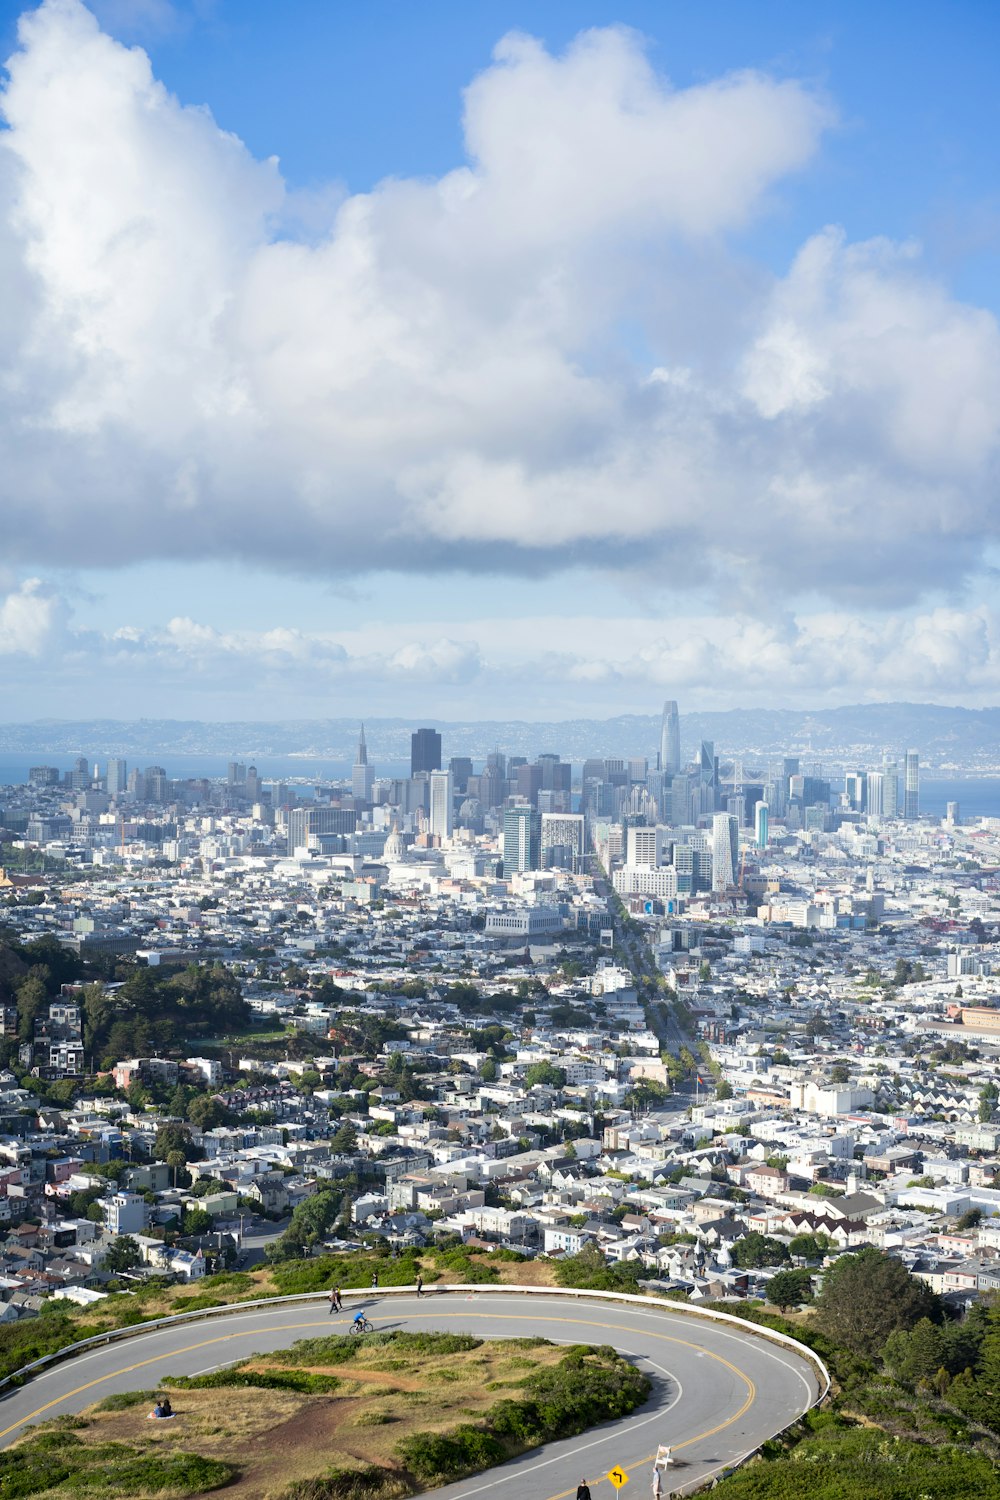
column 718, row 1392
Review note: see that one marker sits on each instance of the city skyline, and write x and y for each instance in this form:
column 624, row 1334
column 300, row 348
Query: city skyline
column 362, row 411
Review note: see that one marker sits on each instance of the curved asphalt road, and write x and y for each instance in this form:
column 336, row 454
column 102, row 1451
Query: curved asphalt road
column 717, row 1393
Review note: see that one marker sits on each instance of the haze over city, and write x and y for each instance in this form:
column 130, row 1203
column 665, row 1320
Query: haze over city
column 511, row 361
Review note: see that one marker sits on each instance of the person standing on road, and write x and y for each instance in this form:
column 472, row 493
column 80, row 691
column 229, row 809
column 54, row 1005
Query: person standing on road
column 657, row 1484
column 420, row 1286
column 374, row 1281
column 583, row 1490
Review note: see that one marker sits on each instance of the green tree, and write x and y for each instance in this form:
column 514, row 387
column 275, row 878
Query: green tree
column 488, row 1070
column 916, row 1356
column 790, row 1288
column 177, row 1162
column 544, row 1073
column 196, row 1221
column 205, row 1112
column 32, row 1004
column 174, row 1138
column 344, row 1140
column 808, row 1246
column 869, row 1295
column 756, row 1249
column 122, row 1254
column 988, row 1095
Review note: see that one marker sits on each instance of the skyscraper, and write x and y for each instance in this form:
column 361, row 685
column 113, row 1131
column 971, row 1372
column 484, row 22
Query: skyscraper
column 911, row 795
column 442, row 804
column 725, row 851
column 760, row 825
column 362, row 775
column 425, row 751
column 854, row 786
column 890, row 790
column 522, row 828
column 670, row 739
column 117, row 777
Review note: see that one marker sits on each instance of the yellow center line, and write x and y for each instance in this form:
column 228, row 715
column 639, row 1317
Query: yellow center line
column 493, row 1317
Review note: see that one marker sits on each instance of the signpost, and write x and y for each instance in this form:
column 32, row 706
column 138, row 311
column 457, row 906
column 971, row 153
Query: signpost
column 618, row 1477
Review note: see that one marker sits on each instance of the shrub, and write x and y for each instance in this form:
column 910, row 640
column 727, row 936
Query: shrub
column 125, row 1399
column 370, row 1482
column 865, row 1464
column 587, row 1386
column 439, row 1455
column 54, row 1459
column 273, row 1380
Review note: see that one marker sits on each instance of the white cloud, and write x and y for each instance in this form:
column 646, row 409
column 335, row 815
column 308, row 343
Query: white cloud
column 29, row 620
column 533, row 666
column 442, row 379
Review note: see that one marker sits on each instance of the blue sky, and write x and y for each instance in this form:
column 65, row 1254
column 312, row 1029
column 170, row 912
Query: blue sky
column 751, row 457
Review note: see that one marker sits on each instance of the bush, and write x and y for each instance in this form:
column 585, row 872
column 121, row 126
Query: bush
column 371, row 1482
column 865, row 1464
column 324, row 1271
column 54, row 1459
column 125, row 1399
column 273, row 1380
column 340, row 1349
column 22, row 1343
column 442, row 1456
column 590, row 1270
column 587, row 1386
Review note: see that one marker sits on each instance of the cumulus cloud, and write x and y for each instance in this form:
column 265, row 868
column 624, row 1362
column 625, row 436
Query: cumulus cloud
column 30, row 617
column 552, row 664
column 442, row 379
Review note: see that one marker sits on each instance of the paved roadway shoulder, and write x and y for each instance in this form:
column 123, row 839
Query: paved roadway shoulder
column 717, row 1392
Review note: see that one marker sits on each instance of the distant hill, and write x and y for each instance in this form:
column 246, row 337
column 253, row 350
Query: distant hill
column 947, row 737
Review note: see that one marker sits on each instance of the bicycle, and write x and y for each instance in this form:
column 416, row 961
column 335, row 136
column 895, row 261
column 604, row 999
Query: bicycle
column 363, row 1327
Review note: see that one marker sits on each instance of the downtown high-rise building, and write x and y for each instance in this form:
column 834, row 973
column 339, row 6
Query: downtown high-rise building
column 670, row 739
column 442, row 805
column 760, row 824
column 362, row 775
column 522, row 830
column 117, row 778
column 425, row 751
column 725, row 851
column 911, row 791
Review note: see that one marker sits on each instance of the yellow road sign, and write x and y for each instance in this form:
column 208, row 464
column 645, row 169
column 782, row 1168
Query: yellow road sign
column 618, row 1477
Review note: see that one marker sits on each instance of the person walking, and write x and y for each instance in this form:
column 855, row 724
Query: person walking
column 583, row 1490
column 333, row 1301
column 657, row 1484
column 420, row 1286
column 374, row 1281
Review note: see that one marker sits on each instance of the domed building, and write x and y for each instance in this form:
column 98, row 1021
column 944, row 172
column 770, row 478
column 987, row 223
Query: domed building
column 394, row 852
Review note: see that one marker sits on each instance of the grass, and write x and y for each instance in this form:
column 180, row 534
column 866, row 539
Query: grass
column 376, row 1405
column 58, row 1463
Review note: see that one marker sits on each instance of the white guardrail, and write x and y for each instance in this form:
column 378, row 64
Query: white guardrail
column 662, row 1304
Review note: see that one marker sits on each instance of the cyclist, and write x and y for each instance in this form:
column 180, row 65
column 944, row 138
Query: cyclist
column 359, row 1322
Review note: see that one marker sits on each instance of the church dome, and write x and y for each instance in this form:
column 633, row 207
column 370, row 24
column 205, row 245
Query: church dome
column 394, row 852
